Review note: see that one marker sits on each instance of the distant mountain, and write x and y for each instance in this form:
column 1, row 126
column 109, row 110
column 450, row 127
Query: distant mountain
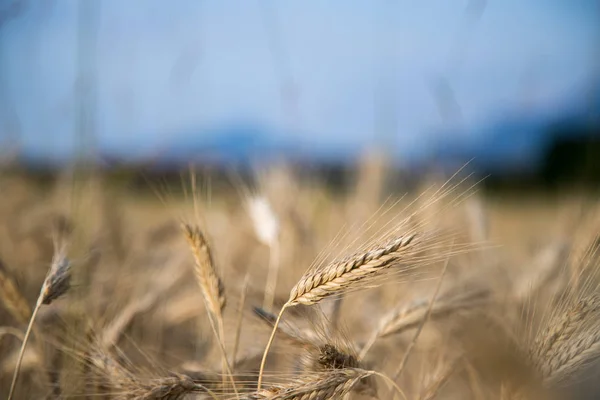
column 249, row 142
column 234, row 143
column 516, row 142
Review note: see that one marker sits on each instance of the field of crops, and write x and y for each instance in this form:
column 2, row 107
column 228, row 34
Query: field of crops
column 285, row 289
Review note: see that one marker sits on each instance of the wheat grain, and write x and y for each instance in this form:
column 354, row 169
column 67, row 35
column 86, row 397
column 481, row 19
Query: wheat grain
column 570, row 342
column 329, row 385
column 212, row 288
column 169, row 388
column 210, row 284
column 318, row 284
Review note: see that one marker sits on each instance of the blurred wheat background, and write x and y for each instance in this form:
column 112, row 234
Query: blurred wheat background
column 299, row 200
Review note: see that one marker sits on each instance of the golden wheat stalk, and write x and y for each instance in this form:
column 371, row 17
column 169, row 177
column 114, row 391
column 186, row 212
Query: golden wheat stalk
column 569, row 343
column 173, row 387
column 331, row 357
column 317, row 284
column 210, row 284
column 335, row 277
column 131, row 386
column 326, row 349
column 240, row 318
column 322, row 386
column 409, row 316
column 212, row 288
column 56, row 284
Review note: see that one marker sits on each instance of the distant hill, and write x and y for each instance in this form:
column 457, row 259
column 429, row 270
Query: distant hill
column 519, row 142
column 242, row 143
column 516, row 142
column 236, row 143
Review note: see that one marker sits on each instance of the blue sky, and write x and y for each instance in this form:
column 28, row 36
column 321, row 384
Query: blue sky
column 168, row 68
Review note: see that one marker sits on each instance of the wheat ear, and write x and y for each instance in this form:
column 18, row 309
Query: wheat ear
column 334, row 278
column 409, row 316
column 569, row 343
column 330, row 385
column 56, row 284
column 211, row 286
column 173, row 387
column 318, row 284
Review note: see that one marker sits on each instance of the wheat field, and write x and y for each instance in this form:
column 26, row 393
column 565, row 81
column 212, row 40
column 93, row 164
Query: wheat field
column 281, row 288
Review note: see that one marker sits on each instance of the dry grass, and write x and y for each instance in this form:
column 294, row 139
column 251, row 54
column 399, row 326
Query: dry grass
column 440, row 294
column 12, row 298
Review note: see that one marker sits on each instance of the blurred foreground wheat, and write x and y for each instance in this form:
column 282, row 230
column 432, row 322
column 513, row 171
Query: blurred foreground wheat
column 293, row 291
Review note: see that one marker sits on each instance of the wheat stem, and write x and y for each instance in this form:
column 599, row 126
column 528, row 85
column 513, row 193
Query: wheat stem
column 367, row 346
column 391, row 382
column 269, row 343
column 23, row 346
column 218, row 332
column 272, row 275
column 240, row 317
